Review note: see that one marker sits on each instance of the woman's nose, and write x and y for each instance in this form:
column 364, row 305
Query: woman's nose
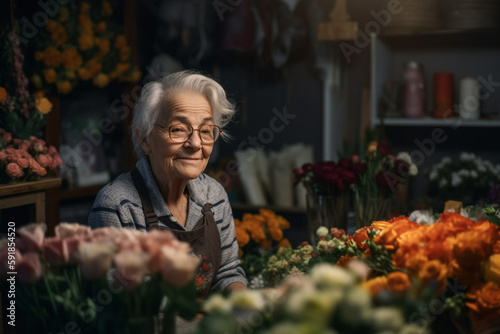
column 194, row 140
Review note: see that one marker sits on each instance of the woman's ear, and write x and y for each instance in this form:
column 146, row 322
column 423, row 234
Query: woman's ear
column 141, row 135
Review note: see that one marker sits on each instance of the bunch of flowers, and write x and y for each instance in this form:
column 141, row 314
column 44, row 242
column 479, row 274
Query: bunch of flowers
column 330, row 248
column 468, row 175
column 455, row 261
column 81, row 44
column 100, row 281
column 382, row 173
column 25, row 159
column 328, row 300
column 21, row 112
column 259, row 236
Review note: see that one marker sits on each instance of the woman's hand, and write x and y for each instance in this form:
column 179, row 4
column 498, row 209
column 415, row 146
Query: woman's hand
column 236, row 286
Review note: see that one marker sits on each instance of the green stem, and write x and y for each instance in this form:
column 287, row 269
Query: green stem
column 47, row 285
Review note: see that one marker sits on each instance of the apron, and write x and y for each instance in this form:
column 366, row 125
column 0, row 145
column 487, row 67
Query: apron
column 204, row 238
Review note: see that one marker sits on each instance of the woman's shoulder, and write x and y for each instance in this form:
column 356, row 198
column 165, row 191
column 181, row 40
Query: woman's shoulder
column 208, row 188
column 117, row 190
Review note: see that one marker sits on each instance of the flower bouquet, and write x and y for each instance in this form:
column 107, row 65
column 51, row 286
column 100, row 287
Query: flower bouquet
column 106, row 280
column 25, row 159
column 259, row 236
column 451, row 266
column 328, row 300
column 81, row 44
column 328, row 192
column 381, row 174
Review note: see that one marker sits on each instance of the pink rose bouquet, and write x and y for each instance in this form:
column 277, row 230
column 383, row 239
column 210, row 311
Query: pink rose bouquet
column 25, row 159
column 106, row 280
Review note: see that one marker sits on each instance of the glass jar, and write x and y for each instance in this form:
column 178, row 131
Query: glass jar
column 414, row 91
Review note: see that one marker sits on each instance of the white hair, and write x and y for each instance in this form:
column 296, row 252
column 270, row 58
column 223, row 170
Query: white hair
column 155, row 95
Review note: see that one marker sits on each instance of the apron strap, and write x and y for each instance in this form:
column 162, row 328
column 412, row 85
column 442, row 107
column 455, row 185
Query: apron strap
column 151, row 218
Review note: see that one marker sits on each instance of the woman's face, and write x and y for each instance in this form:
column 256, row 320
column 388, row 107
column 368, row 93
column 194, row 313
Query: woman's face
column 180, row 161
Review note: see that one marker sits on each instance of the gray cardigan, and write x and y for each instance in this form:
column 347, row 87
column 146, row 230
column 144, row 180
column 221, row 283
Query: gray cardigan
column 118, row 204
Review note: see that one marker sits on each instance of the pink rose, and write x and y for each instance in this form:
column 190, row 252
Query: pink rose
column 52, row 150
column 28, row 268
column 177, row 267
column 41, row 172
column 130, row 268
column 72, row 245
column 34, row 166
column 67, row 230
column 38, row 147
column 24, row 146
column 32, row 236
column 7, row 137
column 95, row 259
column 44, row 160
column 55, row 251
column 104, row 234
column 14, row 170
column 16, row 141
column 23, row 162
column 3, row 155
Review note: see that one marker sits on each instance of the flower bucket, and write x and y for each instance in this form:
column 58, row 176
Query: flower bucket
column 328, row 211
column 368, row 209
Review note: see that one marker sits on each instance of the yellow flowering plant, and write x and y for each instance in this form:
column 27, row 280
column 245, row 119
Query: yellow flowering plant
column 259, row 236
column 81, row 44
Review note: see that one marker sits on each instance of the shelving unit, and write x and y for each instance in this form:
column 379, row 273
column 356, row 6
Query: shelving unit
column 465, row 53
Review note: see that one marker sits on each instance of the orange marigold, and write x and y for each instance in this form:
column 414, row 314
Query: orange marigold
column 433, row 270
column 51, row 56
column 84, row 73
column 71, row 59
column 64, row 87
column 59, row 36
column 3, row 94
column 242, row 237
column 398, row 281
column 485, row 298
column 50, row 75
column 101, row 80
column 376, row 285
column 85, row 42
column 284, row 243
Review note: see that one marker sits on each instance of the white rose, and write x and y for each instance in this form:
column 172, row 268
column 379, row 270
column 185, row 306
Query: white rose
column 413, row 170
column 310, row 304
column 248, row 299
column 322, row 232
column 387, row 319
column 456, row 180
column 445, row 160
column 330, row 276
column 473, row 174
column 433, row 175
column 405, row 157
column 217, row 304
column 356, row 306
column 414, row 329
column 443, row 183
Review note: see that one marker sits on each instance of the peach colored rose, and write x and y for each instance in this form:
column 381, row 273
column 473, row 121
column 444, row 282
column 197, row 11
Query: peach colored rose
column 14, row 170
column 95, row 259
column 55, row 251
column 492, row 269
column 130, row 268
column 3, row 155
column 68, row 230
column 44, row 160
column 43, row 105
column 177, row 267
column 28, row 268
column 32, row 236
column 398, row 281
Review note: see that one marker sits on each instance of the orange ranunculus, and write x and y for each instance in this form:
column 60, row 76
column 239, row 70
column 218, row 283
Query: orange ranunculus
column 441, row 251
column 120, row 41
column 398, row 281
column 489, row 229
column 257, row 234
column 485, row 299
column 464, row 276
column 50, row 75
column 101, row 80
column 266, row 213
column 242, row 237
column 276, row 234
column 3, row 94
column 64, row 87
column 360, row 236
column 415, row 262
column 496, row 247
column 51, row 56
column 380, row 225
column 59, row 36
column 433, row 270
column 85, row 42
column 71, row 59
column 43, row 105
column 284, row 243
column 456, row 222
column 265, row 243
column 344, row 260
column 404, row 253
column 387, row 238
column 376, row 285
column 492, row 269
column 472, row 247
column 84, row 73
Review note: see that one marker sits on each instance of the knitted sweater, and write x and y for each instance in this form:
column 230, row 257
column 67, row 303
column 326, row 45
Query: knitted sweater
column 118, row 204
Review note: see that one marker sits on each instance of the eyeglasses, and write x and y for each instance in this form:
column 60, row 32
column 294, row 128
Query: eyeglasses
column 181, row 133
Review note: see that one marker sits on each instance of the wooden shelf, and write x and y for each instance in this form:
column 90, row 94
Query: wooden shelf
column 251, row 207
column 449, row 122
column 24, row 187
column 80, row 192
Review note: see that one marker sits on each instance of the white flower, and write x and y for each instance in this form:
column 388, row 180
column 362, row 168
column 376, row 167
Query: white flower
column 443, row 183
column 433, row 175
column 217, row 304
column 422, row 217
column 387, row 319
column 322, row 232
column 311, row 304
column 464, row 156
column 405, row 157
column 355, row 307
column 413, row 170
column 445, row 160
column 414, row 329
column 248, row 299
column 329, row 276
column 463, row 173
column 473, row 174
column 456, row 180
column 481, row 168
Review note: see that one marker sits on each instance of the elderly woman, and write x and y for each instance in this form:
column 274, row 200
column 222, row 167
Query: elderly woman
column 176, row 123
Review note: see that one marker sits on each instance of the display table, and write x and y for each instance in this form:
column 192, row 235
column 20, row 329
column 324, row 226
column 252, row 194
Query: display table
column 26, row 193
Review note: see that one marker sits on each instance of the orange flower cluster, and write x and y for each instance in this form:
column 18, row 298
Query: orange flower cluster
column 263, row 228
column 453, row 248
column 78, row 45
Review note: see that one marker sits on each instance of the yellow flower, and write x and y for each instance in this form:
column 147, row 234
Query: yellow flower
column 107, row 8
column 63, row 14
column 37, row 81
column 72, row 60
column 3, row 94
column 43, row 105
column 101, row 80
column 51, row 57
column 492, row 269
column 64, row 87
column 84, row 73
column 85, row 42
column 50, row 75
